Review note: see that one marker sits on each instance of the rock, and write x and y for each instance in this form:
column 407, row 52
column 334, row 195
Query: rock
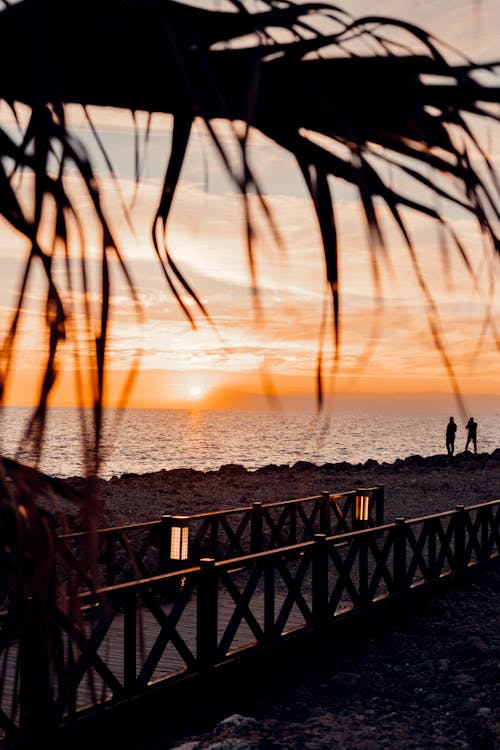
column 437, row 460
column 492, row 579
column 345, row 682
column 466, row 458
column 432, row 699
column 414, row 460
column 462, row 681
column 490, row 673
column 230, row 744
column 272, row 468
column 303, row 466
column 236, row 720
column 341, row 466
column 232, row 469
column 475, row 648
column 481, row 735
column 438, row 607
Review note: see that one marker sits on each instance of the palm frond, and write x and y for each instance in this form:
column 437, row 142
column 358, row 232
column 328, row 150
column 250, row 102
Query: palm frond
column 349, row 98
column 352, row 100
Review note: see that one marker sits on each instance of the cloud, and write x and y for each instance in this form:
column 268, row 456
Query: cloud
column 206, row 237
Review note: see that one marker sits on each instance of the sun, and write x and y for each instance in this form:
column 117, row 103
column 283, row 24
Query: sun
column 195, row 391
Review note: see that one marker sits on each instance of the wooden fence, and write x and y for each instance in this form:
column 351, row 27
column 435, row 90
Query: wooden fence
column 135, row 637
column 136, row 551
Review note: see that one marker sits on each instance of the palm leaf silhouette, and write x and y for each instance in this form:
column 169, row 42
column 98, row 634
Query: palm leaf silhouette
column 348, row 98
column 390, row 105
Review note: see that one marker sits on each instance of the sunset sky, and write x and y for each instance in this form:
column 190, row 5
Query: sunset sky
column 386, row 345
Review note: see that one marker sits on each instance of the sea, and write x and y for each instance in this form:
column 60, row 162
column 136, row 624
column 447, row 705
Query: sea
column 140, row 441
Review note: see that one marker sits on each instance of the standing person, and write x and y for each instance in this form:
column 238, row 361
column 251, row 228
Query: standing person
column 471, row 427
column 451, row 429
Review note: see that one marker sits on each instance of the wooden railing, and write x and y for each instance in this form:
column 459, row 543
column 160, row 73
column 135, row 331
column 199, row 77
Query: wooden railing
column 144, row 634
column 136, row 551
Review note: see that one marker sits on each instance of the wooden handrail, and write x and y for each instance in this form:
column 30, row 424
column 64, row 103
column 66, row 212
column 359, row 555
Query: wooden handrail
column 211, row 514
column 276, row 593
column 139, row 550
column 292, row 550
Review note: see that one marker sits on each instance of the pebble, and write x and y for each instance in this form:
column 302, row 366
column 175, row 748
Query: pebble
column 484, row 711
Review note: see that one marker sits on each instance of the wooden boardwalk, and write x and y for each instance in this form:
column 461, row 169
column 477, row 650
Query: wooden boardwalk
column 171, row 663
column 93, row 690
column 137, row 638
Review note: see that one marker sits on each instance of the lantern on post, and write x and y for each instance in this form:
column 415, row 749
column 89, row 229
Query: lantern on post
column 361, row 511
column 179, row 538
column 174, row 543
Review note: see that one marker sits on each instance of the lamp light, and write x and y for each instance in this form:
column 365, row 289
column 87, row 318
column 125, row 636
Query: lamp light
column 362, row 509
column 179, row 537
column 174, row 545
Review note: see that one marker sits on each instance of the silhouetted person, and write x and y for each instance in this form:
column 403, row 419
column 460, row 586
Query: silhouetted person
column 451, row 429
column 471, row 434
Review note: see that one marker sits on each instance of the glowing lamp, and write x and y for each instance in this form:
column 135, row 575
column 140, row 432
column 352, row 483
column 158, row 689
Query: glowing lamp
column 362, row 503
column 177, row 537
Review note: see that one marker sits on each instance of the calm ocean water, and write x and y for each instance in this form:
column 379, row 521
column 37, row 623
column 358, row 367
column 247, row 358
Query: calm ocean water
column 148, row 440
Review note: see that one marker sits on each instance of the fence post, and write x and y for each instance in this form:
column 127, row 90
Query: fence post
column 130, row 639
column 379, row 505
column 362, row 541
column 110, row 560
column 350, row 508
column 164, row 543
column 320, row 578
column 459, row 522
column 269, row 591
column 324, row 519
column 399, row 563
column 292, row 532
column 35, row 698
column 432, row 526
column 214, row 536
column 256, row 542
column 206, row 613
column 484, row 544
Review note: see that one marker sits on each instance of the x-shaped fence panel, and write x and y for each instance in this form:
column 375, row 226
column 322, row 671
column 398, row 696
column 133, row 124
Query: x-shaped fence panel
column 87, row 561
column 121, row 640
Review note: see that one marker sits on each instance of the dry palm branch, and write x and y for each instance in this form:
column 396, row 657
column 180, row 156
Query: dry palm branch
column 351, row 99
column 387, row 107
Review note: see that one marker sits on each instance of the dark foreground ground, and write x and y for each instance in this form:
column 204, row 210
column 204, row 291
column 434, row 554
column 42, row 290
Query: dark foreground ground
column 427, row 680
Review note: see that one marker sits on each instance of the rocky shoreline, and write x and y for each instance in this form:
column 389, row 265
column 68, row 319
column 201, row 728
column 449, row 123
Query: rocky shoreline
column 414, row 486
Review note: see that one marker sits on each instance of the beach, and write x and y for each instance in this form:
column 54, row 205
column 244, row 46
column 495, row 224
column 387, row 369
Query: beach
column 414, row 486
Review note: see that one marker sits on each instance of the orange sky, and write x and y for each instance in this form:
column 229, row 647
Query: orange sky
column 385, row 348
